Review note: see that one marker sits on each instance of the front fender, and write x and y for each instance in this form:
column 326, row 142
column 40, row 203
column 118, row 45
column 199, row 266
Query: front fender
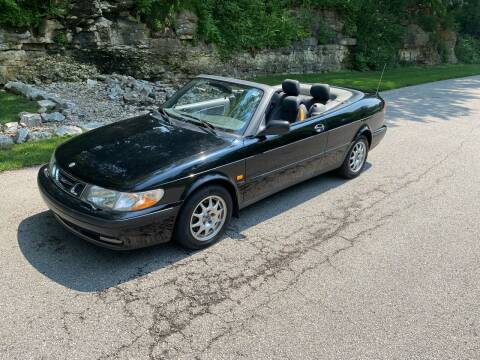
column 215, row 178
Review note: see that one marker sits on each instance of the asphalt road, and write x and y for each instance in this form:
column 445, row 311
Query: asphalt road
column 385, row 266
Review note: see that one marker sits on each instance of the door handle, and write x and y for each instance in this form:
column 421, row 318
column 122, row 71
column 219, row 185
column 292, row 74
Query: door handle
column 319, row 128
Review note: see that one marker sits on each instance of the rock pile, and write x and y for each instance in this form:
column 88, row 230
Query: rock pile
column 70, row 108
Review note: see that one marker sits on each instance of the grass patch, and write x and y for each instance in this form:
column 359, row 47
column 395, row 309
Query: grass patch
column 393, row 78
column 11, row 105
column 28, row 154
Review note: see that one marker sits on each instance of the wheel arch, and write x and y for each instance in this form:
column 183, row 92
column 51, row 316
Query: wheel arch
column 216, row 179
column 365, row 131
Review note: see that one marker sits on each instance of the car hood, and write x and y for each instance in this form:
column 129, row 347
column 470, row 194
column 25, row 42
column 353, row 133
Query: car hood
column 122, row 155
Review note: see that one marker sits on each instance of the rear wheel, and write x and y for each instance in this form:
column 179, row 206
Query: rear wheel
column 355, row 159
column 204, row 217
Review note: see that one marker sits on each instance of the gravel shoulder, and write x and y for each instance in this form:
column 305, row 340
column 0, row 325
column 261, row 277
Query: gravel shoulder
column 383, row 266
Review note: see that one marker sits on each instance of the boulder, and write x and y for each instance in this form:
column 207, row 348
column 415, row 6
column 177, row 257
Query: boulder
column 91, row 125
column 39, row 135
column 5, row 141
column 53, row 117
column 68, row 130
column 114, row 92
column 47, row 104
column 11, row 127
column 28, row 91
column 21, row 136
column 91, row 83
column 131, row 98
column 30, row 119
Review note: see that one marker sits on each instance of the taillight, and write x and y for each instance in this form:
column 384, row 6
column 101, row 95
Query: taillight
column 384, row 107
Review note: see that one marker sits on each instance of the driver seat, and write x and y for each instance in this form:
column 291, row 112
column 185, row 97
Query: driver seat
column 287, row 104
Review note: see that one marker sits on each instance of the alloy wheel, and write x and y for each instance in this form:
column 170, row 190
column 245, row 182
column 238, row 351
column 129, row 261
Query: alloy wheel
column 357, row 156
column 208, row 218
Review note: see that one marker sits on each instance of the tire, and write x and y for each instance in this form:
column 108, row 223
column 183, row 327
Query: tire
column 193, row 237
column 354, row 163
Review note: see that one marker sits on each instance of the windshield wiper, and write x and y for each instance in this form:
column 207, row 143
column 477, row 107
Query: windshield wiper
column 197, row 120
column 163, row 114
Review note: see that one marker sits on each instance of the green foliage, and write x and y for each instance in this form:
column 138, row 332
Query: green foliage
column 468, row 49
column 325, row 34
column 379, row 34
column 233, row 25
column 60, row 38
column 29, row 13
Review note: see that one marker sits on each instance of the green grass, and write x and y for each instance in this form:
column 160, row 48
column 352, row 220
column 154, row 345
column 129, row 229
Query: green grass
column 28, row 154
column 393, row 78
column 11, row 105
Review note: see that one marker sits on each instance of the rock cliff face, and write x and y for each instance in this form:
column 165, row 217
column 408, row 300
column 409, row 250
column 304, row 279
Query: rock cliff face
column 104, row 36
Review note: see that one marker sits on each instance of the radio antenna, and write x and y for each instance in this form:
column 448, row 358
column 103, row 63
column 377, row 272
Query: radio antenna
column 381, row 78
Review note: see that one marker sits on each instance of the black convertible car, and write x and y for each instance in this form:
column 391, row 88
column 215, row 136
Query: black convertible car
column 215, row 147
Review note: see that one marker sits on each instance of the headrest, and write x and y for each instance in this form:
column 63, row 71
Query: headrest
column 290, row 104
column 320, row 92
column 291, row 87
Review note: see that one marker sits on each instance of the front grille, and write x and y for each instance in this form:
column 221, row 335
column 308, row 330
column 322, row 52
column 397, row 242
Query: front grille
column 68, row 183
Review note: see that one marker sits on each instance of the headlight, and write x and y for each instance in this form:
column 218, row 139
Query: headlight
column 120, row 201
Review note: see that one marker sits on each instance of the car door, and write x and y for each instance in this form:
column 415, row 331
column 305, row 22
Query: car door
column 275, row 162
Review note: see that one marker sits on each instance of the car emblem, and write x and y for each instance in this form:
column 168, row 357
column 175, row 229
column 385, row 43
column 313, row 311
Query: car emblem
column 71, row 165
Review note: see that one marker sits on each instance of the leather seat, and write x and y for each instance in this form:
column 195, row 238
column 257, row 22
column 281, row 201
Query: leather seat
column 321, row 95
column 288, row 104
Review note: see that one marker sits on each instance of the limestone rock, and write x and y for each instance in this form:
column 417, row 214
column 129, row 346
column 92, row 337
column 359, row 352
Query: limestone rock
column 26, row 90
column 30, row 119
column 68, row 130
column 11, row 127
column 91, row 125
column 39, row 135
column 415, row 37
column 5, row 141
column 91, row 83
column 186, row 25
column 47, row 104
column 21, row 136
column 53, row 117
column 48, row 30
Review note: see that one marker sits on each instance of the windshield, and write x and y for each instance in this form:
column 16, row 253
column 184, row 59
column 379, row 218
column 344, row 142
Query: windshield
column 218, row 104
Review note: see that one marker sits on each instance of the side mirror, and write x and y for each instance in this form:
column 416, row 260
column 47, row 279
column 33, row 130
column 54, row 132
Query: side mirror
column 276, row 127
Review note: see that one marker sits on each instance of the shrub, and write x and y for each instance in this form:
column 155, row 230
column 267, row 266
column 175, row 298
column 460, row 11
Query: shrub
column 468, row 49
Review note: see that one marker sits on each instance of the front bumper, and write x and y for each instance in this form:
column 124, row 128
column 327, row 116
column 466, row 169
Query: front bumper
column 377, row 136
column 130, row 232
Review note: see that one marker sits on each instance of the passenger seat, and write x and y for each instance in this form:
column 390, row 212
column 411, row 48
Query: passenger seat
column 321, row 95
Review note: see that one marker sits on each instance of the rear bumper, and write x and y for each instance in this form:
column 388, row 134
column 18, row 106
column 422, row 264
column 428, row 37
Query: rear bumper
column 119, row 234
column 378, row 136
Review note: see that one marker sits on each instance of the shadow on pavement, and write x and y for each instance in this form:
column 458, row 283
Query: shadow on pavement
column 418, row 103
column 79, row 265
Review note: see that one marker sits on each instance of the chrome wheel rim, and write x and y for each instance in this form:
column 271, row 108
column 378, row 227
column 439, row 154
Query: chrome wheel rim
column 208, row 218
column 357, row 156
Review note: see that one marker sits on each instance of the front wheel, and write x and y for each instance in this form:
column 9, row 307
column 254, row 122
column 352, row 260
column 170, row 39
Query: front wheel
column 355, row 159
column 204, row 217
